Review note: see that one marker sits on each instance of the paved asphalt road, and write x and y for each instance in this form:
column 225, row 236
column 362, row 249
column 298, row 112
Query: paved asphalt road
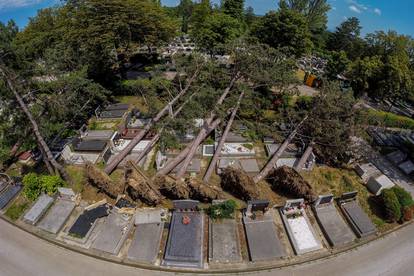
column 24, row 254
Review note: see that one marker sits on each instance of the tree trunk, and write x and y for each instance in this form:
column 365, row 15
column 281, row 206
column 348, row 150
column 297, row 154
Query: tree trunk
column 202, row 134
column 49, row 167
column 118, row 159
column 222, row 141
column 304, row 158
column 181, row 156
column 36, row 130
column 272, row 163
column 155, row 139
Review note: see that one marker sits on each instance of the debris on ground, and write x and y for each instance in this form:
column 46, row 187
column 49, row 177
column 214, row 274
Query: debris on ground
column 202, row 191
column 238, row 183
column 171, row 188
column 289, row 181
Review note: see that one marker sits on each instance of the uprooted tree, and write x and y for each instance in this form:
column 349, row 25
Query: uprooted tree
column 258, row 66
column 288, row 181
column 239, row 184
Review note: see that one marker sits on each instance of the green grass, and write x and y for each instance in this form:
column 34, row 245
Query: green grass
column 326, row 180
column 17, row 209
column 387, row 119
column 77, row 174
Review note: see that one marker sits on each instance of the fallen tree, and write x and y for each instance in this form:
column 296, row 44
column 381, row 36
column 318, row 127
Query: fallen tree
column 121, row 156
column 180, row 157
column 288, row 181
column 239, row 184
column 139, row 187
column 272, row 162
column 50, row 161
column 102, row 181
column 216, row 155
column 203, row 132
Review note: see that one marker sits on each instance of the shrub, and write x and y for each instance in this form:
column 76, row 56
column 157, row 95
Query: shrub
column 404, row 197
column 32, row 186
column 222, row 210
column 50, row 183
column 387, row 119
column 392, row 205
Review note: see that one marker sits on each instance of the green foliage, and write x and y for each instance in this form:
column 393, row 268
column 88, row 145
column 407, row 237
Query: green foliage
column 284, row 29
column 330, row 124
column 34, row 185
column 217, row 30
column 391, row 204
column 234, row 8
column 338, row 63
column 50, row 183
column 404, row 197
column 223, row 210
column 387, row 119
column 315, row 12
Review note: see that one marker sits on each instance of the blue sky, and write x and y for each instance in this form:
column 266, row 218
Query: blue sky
column 374, row 14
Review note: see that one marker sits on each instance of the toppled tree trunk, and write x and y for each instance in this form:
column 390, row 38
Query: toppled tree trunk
column 43, row 145
column 202, row 134
column 180, row 157
column 121, row 156
column 102, row 181
column 171, row 188
column 222, row 141
column 238, row 183
column 140, row 187
column 156, row 138
column 304, row 157
column 272, row 163
column 203, row 192
column 289, row 181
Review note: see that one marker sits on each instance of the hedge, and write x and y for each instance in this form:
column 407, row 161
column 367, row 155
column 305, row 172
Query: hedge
column 388, row 119
column 392, row 205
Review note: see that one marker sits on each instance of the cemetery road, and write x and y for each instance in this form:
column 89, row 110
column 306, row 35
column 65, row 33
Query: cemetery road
column 24, row 254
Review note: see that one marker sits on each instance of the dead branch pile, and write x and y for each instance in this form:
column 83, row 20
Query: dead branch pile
column 141, row 188
column 239, row 184
column 102, row 181
column 289, row 181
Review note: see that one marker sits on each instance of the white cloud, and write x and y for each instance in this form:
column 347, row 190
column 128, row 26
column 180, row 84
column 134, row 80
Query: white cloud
column 355, row 9
column 11, row 4
column 377, row 11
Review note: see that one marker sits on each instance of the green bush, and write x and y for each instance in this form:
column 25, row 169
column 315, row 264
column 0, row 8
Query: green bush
column 392, row 205
column 404, row 198
column 222, row 210
column 387, row 119
column 50, row 183
column 34, row 185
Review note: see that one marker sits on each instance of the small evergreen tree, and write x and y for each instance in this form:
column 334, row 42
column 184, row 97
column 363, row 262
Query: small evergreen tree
column 392, row 205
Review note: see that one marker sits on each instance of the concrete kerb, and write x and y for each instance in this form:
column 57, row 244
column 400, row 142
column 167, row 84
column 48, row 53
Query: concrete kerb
column 209, row 271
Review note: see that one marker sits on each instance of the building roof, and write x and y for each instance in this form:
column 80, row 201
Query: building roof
column 117, row 106
column 98, row 135
column 90, row 145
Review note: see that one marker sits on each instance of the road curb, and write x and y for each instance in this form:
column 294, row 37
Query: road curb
column 206, row 271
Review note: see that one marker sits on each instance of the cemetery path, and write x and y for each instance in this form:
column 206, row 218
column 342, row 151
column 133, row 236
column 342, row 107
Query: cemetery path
column 24, row 254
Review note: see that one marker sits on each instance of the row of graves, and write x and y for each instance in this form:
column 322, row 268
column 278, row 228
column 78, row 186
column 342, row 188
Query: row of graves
column 9, row 189
column 101, row 146
column 185, row 237
column 96, row 146
column 399, row 143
